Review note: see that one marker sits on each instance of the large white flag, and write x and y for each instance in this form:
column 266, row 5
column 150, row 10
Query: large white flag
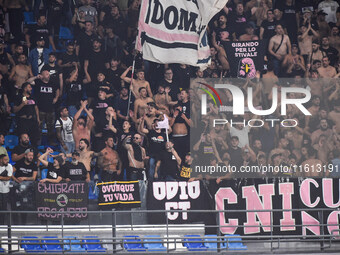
column 174, row 31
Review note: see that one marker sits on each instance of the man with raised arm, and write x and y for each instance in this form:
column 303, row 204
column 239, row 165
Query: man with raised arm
column 82, row 126
column 137, row 83
column 136, row 155
column 55, row 172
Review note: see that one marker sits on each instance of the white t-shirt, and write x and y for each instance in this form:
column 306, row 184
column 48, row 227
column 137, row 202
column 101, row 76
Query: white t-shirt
column 66, row 129
column 40, row 59
column 241, row 134
column 330, row 8
column 4, row 185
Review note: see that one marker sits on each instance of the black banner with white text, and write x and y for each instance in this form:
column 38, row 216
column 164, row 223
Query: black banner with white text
column 62, row 197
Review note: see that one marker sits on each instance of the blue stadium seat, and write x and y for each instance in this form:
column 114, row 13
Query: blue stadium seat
column 235, row 245
column 29, row 18
column 133, row 246
column 51, row 247
column 73, row 244
column 91, row 244
column 50, row 158
column 199, row 246
column 44, row 173
column 31, row 245
column 65, row 33
column 150, row 245
column 210, row 241
column 11, row 141
column 2, row 250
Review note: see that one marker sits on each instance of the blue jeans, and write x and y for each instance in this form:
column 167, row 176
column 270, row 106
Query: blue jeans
column 151, row 173
column 70, row 147
column 277, row 66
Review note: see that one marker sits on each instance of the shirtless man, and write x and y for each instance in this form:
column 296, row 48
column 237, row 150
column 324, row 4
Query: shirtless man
column 334, row 39
column 85, row 154
column 81, row 126
column 136, row 155
column 314, row 84
column 141, row 104
column 152, row 114
column 311, row 166
column 249, row 35
column 335, row 116
column 277, row 49
column 109, row 162
column 137, row 84
column 317, row 54
column 21, row 72
column 326, row 71
column 160, row 100
column 305, row 40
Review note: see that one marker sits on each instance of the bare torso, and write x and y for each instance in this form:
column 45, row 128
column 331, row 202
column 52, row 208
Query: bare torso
column 110, row 160
column 22, row 73
column 86, row 158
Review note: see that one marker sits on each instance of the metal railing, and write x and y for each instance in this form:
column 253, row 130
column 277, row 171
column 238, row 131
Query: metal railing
column 326, row 242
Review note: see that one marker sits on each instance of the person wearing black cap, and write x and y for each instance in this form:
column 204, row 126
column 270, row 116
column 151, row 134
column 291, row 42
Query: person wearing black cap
column 322, row 23
column 25, row 169
column 55, row 173
column 38, row 57
column 56, row 75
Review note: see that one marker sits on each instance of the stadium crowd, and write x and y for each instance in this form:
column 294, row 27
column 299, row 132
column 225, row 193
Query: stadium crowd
column 70, row 98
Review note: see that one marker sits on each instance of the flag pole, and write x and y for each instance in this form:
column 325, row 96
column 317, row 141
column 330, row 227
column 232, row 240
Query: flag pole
column 130, row 88
column 167, row 135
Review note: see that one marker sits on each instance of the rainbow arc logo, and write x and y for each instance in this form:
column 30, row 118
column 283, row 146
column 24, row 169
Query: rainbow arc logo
column 210, row 94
